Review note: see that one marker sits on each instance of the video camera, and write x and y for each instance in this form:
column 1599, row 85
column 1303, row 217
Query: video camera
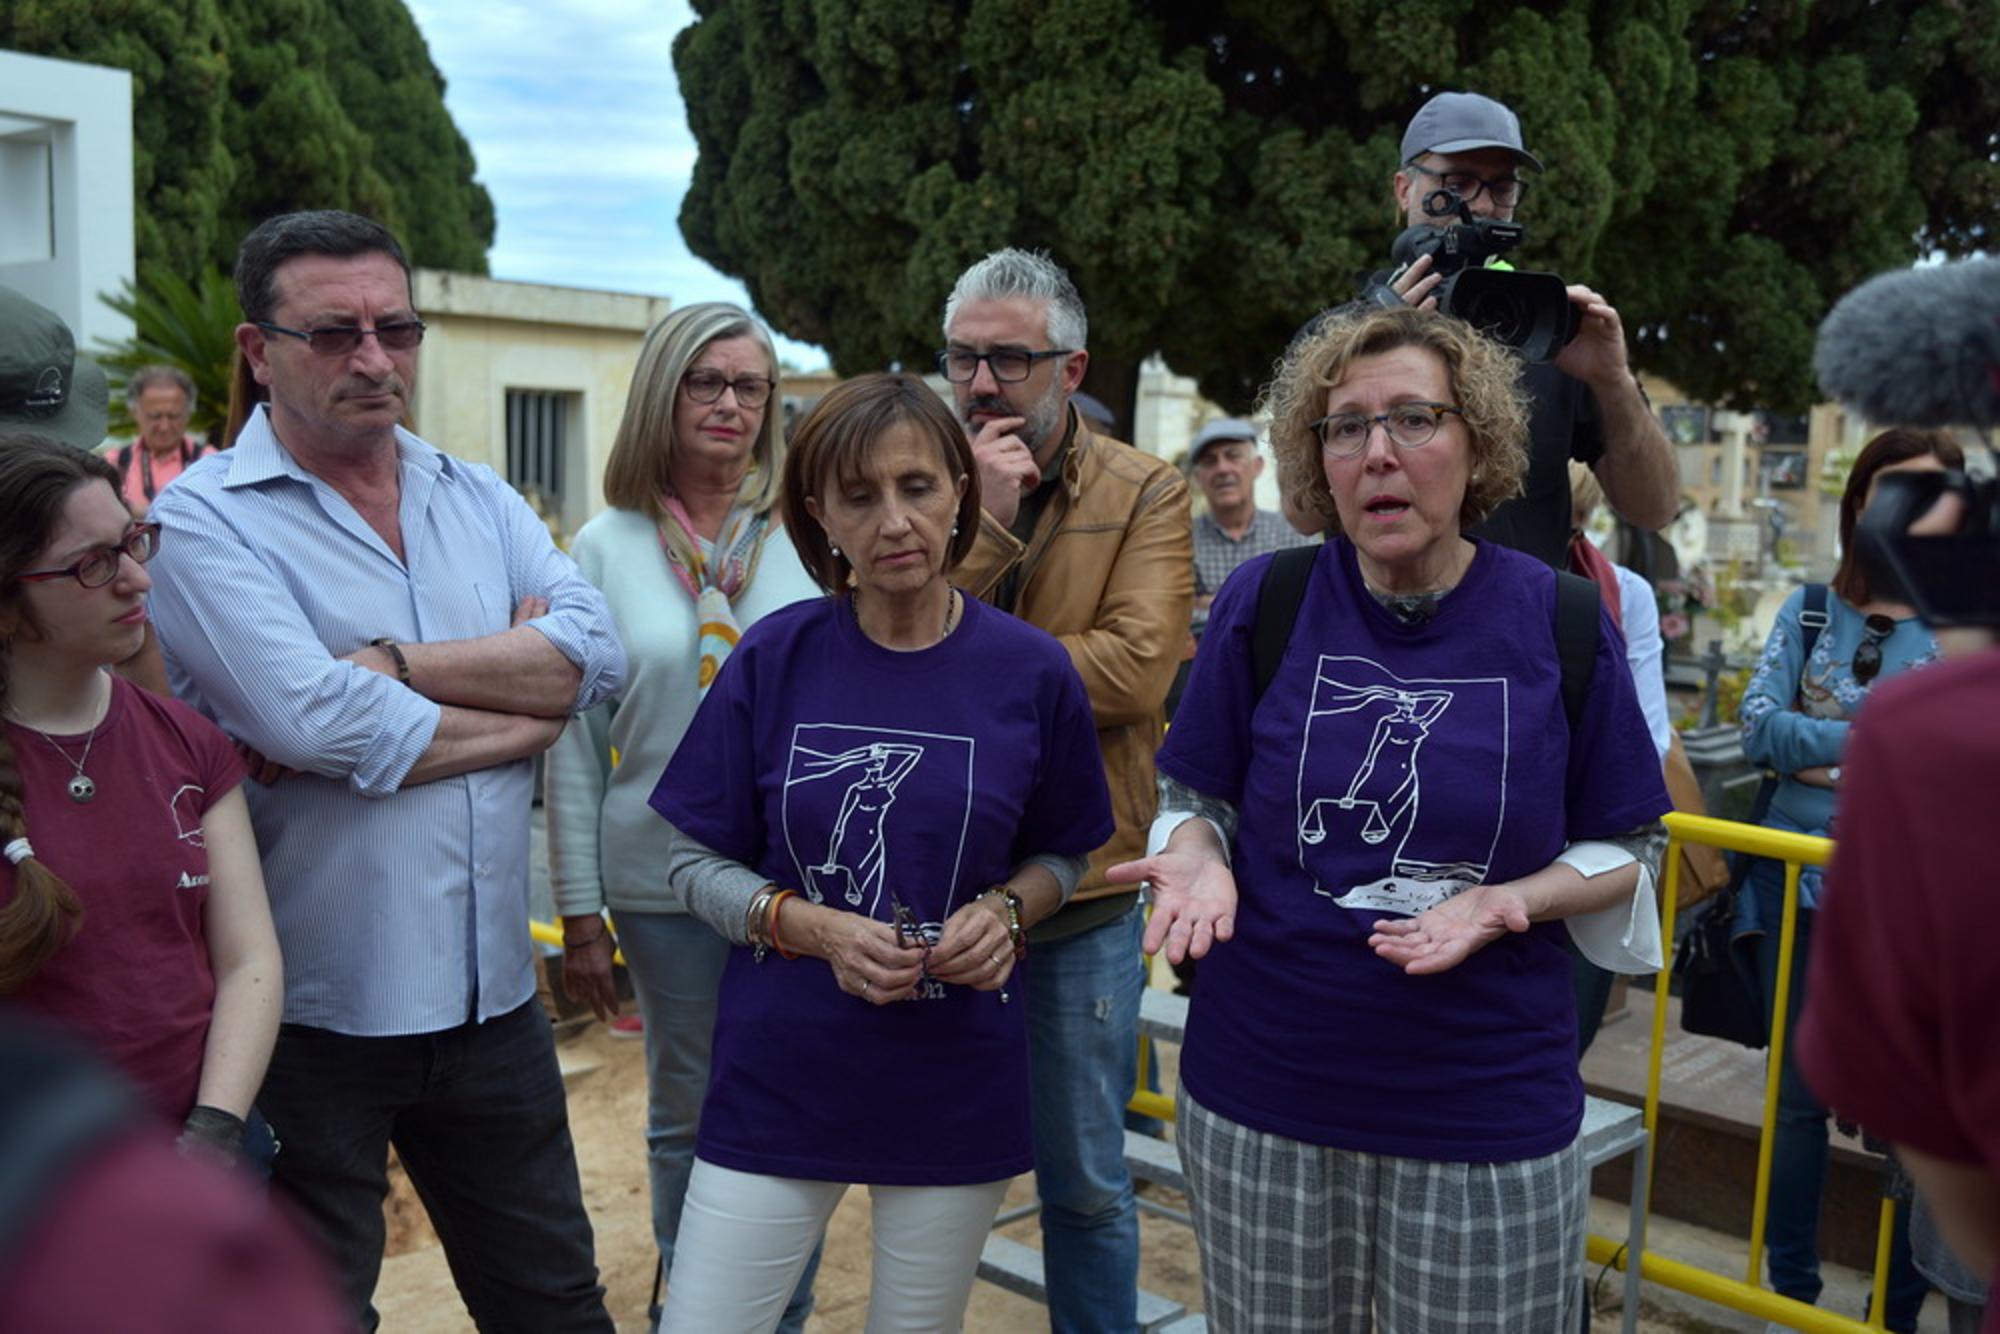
column 1530, row 312
column 1922, row 348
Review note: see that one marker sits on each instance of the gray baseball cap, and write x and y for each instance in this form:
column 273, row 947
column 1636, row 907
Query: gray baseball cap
column 1461, row 123
column 47, row 387
column 1217, row 431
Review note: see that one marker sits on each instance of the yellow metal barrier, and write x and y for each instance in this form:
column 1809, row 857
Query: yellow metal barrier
column 1748, row 1295
column 550, row 934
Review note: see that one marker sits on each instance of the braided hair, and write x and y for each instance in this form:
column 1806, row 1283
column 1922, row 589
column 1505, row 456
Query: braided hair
column 37, row 477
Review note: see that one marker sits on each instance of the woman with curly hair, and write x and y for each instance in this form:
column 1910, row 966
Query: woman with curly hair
column 1376, row 852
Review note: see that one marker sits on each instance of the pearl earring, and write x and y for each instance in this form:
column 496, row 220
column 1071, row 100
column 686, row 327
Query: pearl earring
column 835, row 550
column 954, row 530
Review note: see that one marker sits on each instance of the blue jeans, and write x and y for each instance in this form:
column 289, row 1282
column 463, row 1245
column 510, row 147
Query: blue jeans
column 1799, row 1152
column 1083, row 1043
column 675, row 962
column 478, row 1118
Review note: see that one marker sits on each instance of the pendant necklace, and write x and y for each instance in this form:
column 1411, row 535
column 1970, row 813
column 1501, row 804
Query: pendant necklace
column 81, row 788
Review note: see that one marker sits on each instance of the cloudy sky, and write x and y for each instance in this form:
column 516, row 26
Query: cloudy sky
column 576, row 121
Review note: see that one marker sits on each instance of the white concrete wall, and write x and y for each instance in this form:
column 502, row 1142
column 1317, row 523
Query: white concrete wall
column 66, row 229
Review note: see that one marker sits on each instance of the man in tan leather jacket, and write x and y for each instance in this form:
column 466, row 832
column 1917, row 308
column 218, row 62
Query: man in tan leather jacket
column 1089, row 539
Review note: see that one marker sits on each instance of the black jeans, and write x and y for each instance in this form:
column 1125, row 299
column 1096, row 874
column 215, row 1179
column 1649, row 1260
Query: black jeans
column 478, row 1117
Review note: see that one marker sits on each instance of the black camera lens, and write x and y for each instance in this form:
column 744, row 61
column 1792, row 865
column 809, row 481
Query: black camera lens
column 1529, row 312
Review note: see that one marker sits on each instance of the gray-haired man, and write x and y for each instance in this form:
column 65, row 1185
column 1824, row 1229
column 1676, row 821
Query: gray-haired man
column 161, row 400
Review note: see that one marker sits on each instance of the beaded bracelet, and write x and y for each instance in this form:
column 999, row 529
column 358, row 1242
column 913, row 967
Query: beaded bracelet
column 1016, row 933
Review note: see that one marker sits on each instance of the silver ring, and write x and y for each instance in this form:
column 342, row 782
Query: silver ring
column 864, row 986
column 993, row 959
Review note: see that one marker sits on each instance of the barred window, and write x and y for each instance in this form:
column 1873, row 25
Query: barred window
column 537, row 441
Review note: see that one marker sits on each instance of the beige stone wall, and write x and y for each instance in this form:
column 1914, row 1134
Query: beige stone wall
column 486, row 337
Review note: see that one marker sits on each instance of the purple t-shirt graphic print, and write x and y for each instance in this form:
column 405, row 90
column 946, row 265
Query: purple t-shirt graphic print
column 1374, row 743
column 840, row 788
column 1387, row 768
column 897, row 786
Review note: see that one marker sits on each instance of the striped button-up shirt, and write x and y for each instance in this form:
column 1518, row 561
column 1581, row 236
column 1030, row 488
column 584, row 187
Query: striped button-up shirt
column 399, row 910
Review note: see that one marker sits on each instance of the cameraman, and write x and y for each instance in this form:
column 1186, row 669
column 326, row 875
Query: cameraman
column 1587, row 404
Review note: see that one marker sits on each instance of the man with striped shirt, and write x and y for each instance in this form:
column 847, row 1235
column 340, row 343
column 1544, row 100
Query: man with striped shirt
column 393, row 634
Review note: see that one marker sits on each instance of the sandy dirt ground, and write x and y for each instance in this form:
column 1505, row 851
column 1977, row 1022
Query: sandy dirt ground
column 607, row 1105
column 607, row 1116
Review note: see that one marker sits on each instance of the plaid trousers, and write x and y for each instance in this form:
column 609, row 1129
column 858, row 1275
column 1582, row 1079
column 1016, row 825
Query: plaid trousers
column 1298, row 1238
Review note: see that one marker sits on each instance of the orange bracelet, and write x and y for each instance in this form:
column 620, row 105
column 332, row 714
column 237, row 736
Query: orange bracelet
column 771, row 922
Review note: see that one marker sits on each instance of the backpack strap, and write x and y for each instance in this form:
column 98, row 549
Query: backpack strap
column 1577, row 607
column 1283, row 590
column 1279, row 596
column 1813, row 617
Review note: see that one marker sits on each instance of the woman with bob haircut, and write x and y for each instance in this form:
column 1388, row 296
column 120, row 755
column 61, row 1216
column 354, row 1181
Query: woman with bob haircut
column 884, row 790
column 1796, row 712
column 691, row 551
column 132, row 904
column 1375, row 858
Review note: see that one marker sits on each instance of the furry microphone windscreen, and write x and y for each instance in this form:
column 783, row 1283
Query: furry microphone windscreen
column 1918, row 347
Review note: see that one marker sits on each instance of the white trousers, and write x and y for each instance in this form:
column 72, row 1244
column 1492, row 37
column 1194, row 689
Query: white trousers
column 744, row 1241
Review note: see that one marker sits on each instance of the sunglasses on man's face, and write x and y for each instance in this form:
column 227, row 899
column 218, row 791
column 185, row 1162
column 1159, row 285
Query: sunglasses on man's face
column 1868, row 654
column 337, row 340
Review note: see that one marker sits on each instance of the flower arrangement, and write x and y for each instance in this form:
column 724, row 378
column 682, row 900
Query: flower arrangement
column 1680, row 599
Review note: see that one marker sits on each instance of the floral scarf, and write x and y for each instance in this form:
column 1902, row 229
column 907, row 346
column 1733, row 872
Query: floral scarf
column 715, row 581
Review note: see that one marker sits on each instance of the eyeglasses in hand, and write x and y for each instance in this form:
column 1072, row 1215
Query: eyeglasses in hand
column 1344, row 435
column 99, row 565
column 1010, row 365
column 337, row 340
column 752, row 391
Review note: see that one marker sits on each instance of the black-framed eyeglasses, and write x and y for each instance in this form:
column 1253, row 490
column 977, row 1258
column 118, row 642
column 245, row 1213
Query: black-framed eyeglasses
column 1411, row 425
column 1504, row 191
column 752, row 391
column 1868, row 653
column 337, row 340
column 1010, row 365
column 99, row 565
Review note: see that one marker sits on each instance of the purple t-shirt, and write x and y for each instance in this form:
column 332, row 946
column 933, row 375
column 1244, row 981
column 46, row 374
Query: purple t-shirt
column 864, row 778
column 1387, row 768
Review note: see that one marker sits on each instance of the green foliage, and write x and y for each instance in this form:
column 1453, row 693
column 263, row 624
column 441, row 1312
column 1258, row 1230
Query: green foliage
column 246, row 108
column 1214, row 174
column 178, row 324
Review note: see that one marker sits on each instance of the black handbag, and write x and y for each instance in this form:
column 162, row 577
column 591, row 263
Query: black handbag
column 1720, row 993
